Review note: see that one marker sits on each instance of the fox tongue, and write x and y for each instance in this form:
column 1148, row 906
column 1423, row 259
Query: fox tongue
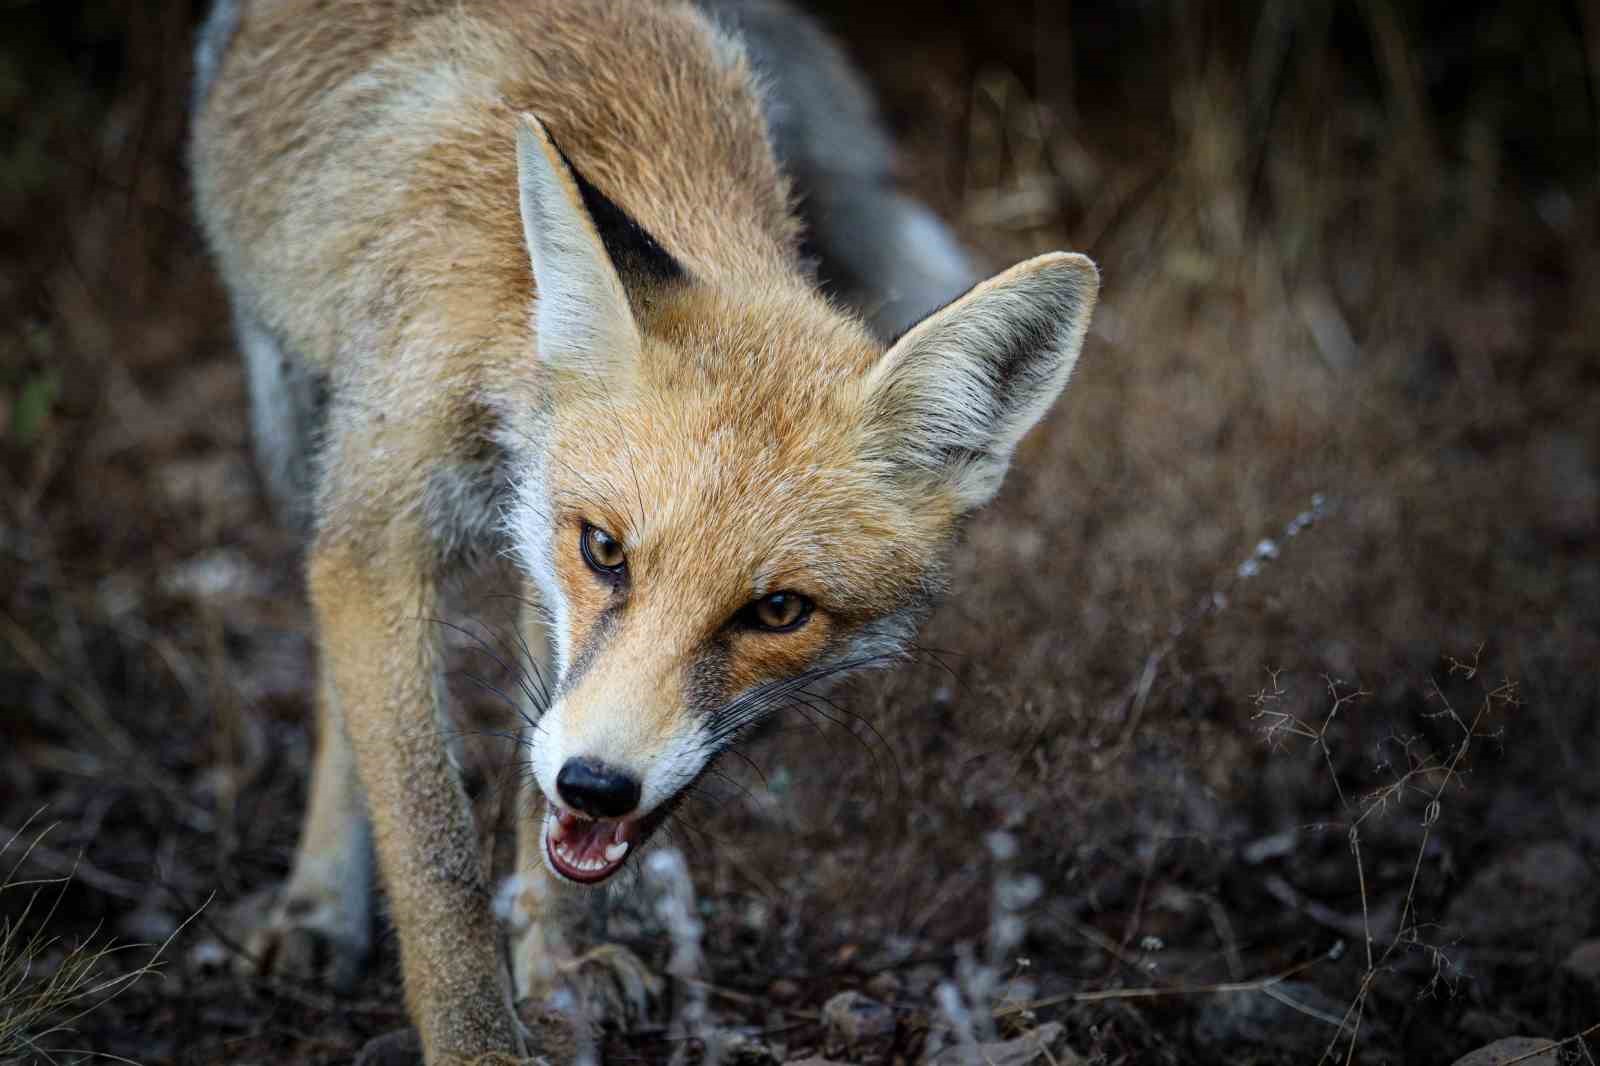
column 586, row 839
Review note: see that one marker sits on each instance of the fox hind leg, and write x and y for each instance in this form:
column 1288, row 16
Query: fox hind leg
column 287, row 409
column 318, row 926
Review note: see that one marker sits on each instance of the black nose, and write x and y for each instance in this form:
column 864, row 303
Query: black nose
column 596, row 789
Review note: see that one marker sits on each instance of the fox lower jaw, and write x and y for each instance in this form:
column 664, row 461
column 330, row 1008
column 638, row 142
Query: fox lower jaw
column 586, row 847
column 585, row 851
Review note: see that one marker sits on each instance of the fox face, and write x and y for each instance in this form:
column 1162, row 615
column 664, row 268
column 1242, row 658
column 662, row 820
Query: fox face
column 737, row 495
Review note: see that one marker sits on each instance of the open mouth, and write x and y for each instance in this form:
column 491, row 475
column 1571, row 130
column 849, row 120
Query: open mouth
column 588, row 850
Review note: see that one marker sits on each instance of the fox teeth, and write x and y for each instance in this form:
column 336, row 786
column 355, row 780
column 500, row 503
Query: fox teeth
column 616, row 851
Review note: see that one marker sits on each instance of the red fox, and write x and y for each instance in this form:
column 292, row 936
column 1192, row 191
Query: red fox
column 530, row 278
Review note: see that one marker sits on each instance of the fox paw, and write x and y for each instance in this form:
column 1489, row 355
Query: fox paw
column 303, row 935
column 608, row 985
column 613, row 985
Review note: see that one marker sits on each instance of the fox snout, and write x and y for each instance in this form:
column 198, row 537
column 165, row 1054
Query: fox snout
column 600, row 791
column 609, row 775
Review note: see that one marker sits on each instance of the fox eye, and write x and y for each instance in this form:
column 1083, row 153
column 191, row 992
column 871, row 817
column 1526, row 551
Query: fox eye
column 601, row 550
column 779, row 612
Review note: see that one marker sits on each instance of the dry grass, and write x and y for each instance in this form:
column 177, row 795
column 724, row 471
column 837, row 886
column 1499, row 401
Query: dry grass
column 48, row 985
column 1348, row 251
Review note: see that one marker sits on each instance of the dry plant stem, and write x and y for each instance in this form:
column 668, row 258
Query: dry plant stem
column 1137, row 695
column 1505, row 694
column 59, row 862
column 1260, row 984
column 1274, row 992
column 1285, row 722
column 1557, row 1046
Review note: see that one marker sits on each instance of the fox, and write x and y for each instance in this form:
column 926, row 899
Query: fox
column 623, row 292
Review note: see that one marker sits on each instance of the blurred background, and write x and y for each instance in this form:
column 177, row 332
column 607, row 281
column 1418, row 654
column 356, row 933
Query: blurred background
column 1277, row 658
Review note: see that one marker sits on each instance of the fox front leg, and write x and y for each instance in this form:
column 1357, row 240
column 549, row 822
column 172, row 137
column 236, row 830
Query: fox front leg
column 318, row 925
column 372, row 606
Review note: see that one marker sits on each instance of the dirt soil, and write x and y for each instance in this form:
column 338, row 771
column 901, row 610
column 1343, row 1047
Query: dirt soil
column 1261, row 723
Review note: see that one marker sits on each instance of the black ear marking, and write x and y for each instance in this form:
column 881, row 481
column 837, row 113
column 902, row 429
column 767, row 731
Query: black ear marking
column 633, row 251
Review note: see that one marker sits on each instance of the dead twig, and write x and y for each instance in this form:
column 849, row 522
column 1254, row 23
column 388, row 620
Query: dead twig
column 1260, row 984
column 1501, row 696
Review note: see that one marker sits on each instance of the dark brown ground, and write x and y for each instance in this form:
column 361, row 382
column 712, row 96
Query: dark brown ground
column 1348, row 251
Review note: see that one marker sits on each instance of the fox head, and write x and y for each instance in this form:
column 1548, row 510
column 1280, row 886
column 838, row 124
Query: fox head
column 738, row 495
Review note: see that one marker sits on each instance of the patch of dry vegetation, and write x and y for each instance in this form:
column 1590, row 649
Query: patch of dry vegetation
column 1348, row 252
column 49, row 984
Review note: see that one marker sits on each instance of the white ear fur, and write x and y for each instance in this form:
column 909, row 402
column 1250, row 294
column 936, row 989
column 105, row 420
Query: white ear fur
column 582, row 315
column 954, row 396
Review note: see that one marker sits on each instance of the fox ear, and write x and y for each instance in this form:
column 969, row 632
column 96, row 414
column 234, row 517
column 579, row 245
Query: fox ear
column 582, row 316
column 955, row 394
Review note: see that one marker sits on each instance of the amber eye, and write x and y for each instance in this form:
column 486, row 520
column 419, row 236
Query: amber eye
column 779, row 612
column 601, row 550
